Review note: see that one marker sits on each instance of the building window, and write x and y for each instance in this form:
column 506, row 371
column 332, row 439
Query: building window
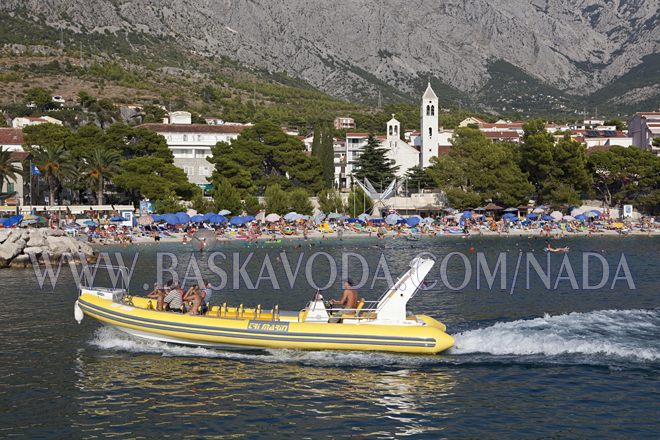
column 428, row 110
column 190, row 171
column 199, row 137
column 396, row 130
column 432, row 110
column 10, row 187
column 185, row 137
column 204, row 171
column 430, row 132
column 390, row 130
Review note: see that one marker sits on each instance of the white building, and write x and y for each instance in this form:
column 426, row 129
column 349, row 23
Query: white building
column 22, row 122
column 404, row 154
column 428, row 127
column 191, row 143
column 643, row 128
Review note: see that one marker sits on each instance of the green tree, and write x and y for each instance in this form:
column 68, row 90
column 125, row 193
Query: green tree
column 264, row 155
column 656, row 142
column 46, row 134
column 330, row 201
column 316, row 142
column 299, row 201
column 8, row 168
column 627, row 175
column 477, row 170
column 418, row 179
column 201, row 204
column 327, row 156
column 227, row 197
column 618, row 123
column 358, row 202
column 276, row 200
column 537, row 156
column 39, row 97
column 99, row 167
column 153, row 178
column 153, row 114
column 55, row 164
column 137, row 142
column 374, row 164
column 251, row 204
column 168, row 202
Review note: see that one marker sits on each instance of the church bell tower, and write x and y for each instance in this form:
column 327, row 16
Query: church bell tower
column 429, row 127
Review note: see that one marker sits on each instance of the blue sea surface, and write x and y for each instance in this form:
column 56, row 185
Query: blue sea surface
column 529, row 361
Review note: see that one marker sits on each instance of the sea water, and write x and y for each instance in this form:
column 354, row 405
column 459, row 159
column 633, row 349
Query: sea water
column 528, row 362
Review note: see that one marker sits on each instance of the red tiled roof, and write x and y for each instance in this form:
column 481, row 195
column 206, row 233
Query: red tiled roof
column 501, row 134
column 195, row 128
column 357, row 134
column 18, row 156
column 11, row 136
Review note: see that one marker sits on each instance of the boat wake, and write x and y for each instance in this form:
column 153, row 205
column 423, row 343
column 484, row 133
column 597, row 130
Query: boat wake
column 607, row 337
column 618, row 334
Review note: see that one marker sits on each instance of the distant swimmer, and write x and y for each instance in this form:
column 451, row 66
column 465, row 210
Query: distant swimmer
column 549, row 248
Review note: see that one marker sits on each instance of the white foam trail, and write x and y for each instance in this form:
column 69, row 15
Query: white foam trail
column 631, row 334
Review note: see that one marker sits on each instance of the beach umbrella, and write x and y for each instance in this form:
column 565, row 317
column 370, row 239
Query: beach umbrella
column 413, row 221
column 479, row 209
column 548, row 218
column 597, row 212
column 352, row 220
column 118, row 218
column 577, row 211
column 307, row 217
column 532, row 216
column 511, row 209
column 590, row 214
column 364, row 217
column 318, row 218
column 237, row 220
column 249, row 218
column 145, row 220
column 556, row 215
column 568, row 218
column 261, row 216
column 492, row 207
column 217, row 219
column 292, row 216
column 182, row 217
column 334, row 216
column 197, row 218
column 580, row 217
column 377, row 221
column 90, row 223
column 208, row 216
column 170, row 219
column 191, row 212
column 224, row 212
column 466, row 214
column 428, row 220
column 538, row 210
column 510, row 217
column 273, row 217
column 392, row 219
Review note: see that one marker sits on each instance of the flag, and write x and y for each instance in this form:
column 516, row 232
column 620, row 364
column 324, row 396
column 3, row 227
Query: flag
column 35, row 171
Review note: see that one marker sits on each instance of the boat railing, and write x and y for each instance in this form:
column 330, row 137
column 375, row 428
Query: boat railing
column 123, row 277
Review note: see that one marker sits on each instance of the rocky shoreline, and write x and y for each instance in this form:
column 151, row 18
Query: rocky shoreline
column 18, row 246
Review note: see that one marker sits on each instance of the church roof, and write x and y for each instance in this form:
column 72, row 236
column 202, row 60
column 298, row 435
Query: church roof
column 429, row 94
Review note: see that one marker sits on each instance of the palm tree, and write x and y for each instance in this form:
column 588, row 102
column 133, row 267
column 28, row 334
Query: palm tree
column 8, row 169
column 55, row 164
column 100, row 165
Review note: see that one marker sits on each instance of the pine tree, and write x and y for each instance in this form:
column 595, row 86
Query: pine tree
column 316, row 142
column 327, row 156
column 374, row 164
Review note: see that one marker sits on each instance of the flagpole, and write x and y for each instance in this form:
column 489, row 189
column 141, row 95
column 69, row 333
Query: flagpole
column 31, row 201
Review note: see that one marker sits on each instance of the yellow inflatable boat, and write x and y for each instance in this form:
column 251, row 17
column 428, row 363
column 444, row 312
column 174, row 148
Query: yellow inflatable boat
column 382, row 325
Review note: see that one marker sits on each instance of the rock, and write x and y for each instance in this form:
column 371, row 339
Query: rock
column 86, row 249
column 4, row 234
column 8, row 251
column 37, row 250
column 21, row 261
column 55, row 233
column 20, row 243
column 58, row 245
column 36, row 239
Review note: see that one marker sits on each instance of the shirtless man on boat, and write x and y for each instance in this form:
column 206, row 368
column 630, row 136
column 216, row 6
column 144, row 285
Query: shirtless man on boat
column 349, row 298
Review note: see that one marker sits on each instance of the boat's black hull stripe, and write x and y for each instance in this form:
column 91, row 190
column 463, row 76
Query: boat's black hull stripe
column 220, row 333
column 253, row 331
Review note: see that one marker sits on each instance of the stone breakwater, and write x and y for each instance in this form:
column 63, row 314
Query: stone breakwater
column 19, row 247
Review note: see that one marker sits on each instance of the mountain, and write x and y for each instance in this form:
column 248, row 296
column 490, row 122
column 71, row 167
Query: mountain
column 494, row 54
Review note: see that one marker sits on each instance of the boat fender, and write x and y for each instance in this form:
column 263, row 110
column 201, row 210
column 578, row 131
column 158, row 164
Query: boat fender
column 78, row 313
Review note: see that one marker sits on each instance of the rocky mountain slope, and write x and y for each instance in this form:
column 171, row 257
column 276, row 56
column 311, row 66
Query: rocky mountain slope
column 356, row 48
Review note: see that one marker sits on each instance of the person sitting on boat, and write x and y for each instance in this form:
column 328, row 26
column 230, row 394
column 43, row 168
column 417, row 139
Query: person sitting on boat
column 349, row 298
column 159, row 295
column 194, row 295
column 174, row 299
column 207, row 293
